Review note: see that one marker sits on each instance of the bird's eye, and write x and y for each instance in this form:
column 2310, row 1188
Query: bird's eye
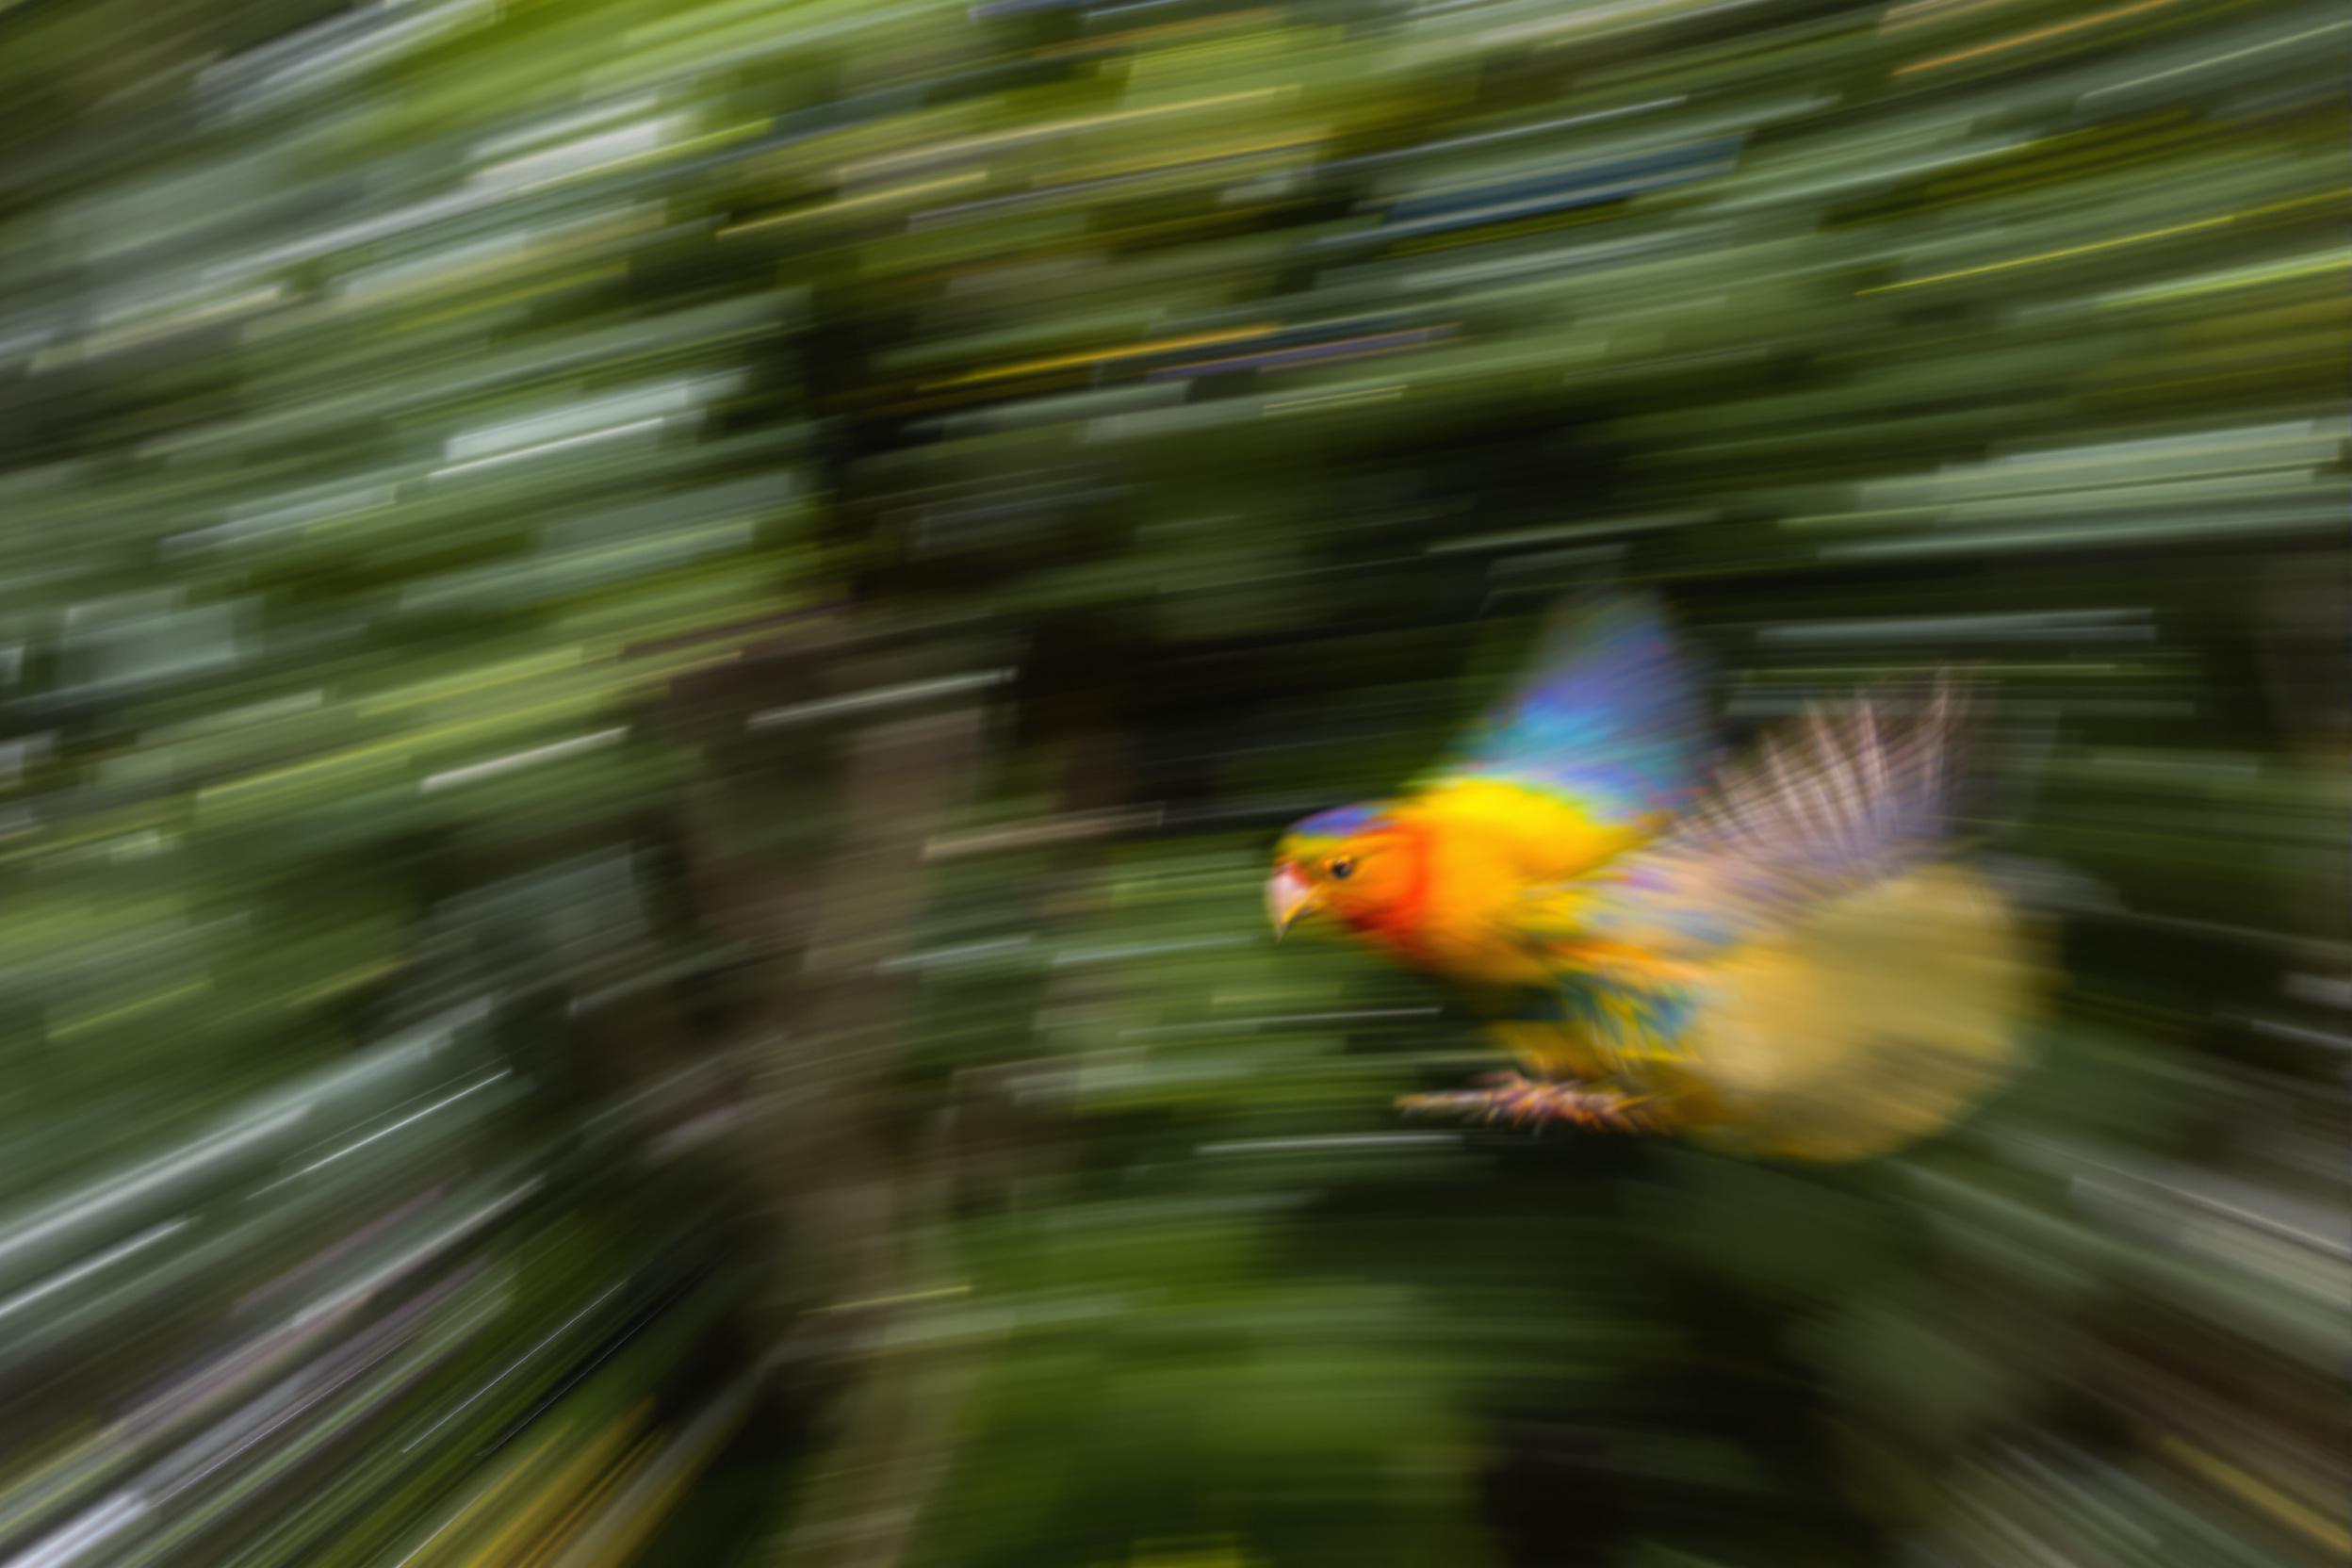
column 1343, row 867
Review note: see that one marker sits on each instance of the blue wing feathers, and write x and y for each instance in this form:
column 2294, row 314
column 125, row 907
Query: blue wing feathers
column 1609, row 714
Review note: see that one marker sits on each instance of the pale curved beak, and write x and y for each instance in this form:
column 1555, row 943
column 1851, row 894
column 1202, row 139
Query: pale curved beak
column 1288, row 895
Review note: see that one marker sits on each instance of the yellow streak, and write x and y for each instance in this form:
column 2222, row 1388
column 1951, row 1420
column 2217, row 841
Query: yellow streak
column 564, row 1529
column 88, row 1021
column 1099, row 356
column 537, row 288
column 498, row 1549
column 83, row 1439
column 621, row 1538
column 1487, row 234
column 2097, row 245
column 2334, row 261
column 1337, row 399
column 342, row 981
column 1198, row 155
column 936, row 1294
column 515, row 1472
column 2016, row 40
column 826, row 209
column 2305, row 1521
column 61, row 842
column 629, row 1534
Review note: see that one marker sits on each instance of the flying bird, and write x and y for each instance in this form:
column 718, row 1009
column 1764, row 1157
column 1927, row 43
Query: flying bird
column 1790, row 956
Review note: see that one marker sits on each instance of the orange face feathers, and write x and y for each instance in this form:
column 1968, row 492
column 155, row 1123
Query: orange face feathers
column 1358, row 866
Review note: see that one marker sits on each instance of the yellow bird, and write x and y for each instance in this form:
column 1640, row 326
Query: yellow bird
column 1790, row 959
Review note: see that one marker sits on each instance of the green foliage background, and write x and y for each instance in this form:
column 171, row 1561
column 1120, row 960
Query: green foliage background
column 651, row 650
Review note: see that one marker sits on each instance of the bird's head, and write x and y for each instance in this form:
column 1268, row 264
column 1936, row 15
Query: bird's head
column 1357, row 865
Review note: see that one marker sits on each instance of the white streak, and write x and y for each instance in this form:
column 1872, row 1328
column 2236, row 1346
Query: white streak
column 472, row 771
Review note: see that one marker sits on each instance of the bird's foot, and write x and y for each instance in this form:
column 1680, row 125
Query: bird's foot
column 1523, row 1101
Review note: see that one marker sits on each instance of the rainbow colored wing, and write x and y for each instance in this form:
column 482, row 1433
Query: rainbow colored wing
column 1801, row 963
column 1823, row 807
column 1608, row 716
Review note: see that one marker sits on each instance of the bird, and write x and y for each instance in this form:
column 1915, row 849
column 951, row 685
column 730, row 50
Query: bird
column 1789, row 954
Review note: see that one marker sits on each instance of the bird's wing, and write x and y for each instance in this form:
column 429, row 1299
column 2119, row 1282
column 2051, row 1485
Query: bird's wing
column 1607, row 715
column 1797, row 954
column 1826, row 806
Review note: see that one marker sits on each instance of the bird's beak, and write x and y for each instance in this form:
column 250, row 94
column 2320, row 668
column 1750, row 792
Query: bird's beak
column 1288, row 895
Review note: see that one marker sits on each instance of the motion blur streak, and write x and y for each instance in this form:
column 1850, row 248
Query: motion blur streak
column 650, row 651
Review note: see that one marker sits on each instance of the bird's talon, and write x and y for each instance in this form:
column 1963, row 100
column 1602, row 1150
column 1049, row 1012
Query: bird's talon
column 1524, row 1102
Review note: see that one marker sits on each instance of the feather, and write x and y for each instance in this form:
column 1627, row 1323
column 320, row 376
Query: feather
column 1608, row 716
column 1798, row 963
column 1843, row 797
